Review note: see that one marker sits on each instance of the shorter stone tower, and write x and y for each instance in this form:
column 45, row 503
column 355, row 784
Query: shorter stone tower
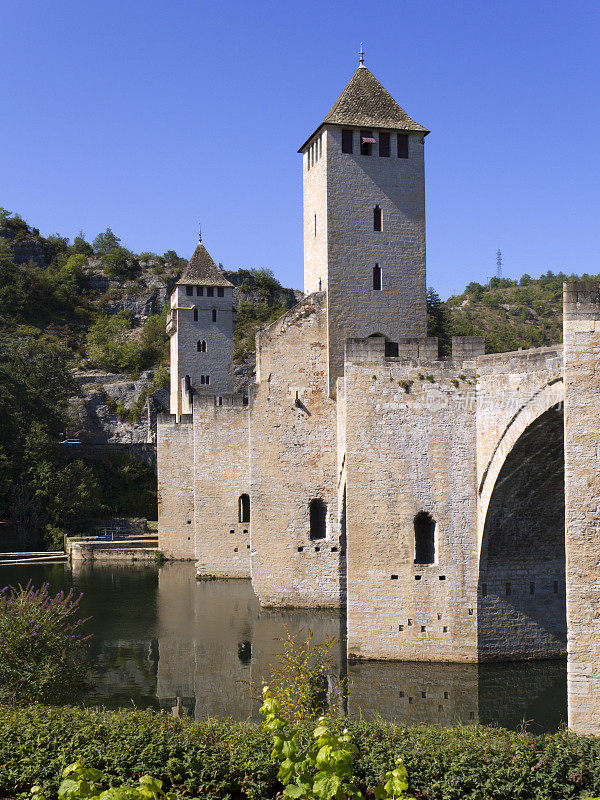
column 200, row 326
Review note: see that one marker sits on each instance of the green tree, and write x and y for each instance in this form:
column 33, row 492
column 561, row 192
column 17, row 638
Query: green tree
column 105, row 241
column 439, row 322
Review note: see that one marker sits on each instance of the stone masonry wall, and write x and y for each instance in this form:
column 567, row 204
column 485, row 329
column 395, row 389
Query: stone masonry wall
column 314, row 174
column 355, row 184
column 221, row 475
column 410, row 448
column 217, row 361
column 175, row 467
column 582, row 490
column 293, row 460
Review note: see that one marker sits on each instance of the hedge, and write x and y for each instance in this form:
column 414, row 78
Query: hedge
column 227, row 760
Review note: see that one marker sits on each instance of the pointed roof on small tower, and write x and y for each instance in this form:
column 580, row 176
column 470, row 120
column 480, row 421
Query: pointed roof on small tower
column 202, row 270
column 364, row 103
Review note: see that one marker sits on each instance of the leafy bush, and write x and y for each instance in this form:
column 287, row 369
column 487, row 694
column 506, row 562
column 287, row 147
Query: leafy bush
column 219, row 758
column 301, row 679
column 42, row 647
column 118, row 262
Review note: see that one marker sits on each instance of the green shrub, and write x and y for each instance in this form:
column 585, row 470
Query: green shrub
column 42, row 647
column 220, row 759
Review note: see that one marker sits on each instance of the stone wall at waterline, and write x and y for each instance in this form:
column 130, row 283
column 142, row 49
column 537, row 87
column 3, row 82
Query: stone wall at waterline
column 410, row 450
column 175, row 468
column 293, row 463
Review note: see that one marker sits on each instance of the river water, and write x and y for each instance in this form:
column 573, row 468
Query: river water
column 165, row 640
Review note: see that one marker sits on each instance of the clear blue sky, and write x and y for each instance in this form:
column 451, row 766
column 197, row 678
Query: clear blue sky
column 149, row 116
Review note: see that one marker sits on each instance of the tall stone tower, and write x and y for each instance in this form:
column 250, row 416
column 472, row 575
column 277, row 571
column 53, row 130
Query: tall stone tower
column 200, row 325
column 364, row 218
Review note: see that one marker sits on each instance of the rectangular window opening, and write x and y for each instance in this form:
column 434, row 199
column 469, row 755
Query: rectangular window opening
column 555, row 587
column 507, row 588
column 214, row 315
column 220, row 292
column 189, row 290
column 402, row 139
column 394, row 578
column 532, row 588
column 366, row 140
column 347, row 137
column 384, row 144
column 199, row 291
column 210, row 292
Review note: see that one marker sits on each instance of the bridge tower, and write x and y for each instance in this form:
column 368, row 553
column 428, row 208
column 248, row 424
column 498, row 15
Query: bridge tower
column 364, row 217
column 200, row 326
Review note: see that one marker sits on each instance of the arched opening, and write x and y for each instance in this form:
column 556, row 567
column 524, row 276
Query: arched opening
column 424, row 525
column 521, row 613
column 195, row 314
column 244, row 508
column 318, row 519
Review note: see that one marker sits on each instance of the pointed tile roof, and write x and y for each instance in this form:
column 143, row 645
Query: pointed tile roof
column 202, row 270
column 364, row 103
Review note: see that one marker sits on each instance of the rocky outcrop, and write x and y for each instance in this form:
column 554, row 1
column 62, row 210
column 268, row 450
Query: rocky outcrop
column 97, row 414
column 25, row 249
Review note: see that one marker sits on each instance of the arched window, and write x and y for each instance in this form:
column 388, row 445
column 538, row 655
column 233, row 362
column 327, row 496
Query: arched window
column 201, row 346
column 244, row 508
column 214, row 315
column 377, row 277
column 424, row 538
column 318, row 519
column 377, row 219
column 195, row 314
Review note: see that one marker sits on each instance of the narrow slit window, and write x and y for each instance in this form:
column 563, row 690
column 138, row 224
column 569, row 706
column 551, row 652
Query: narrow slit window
column 318, row 519
column 347, row 136
column 244, row 508
column 315, row 224
column 377, row 219
column 384, row 144
column 402, row 145
column 214, row 315
column 195, row 315
column 201, row 346
column 424, row 525
column 208, row 380
column 202, row 381
column 377, row 278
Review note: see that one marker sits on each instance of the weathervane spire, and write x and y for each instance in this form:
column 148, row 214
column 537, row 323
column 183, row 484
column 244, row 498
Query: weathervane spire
column 361, row 56
column 199, row 232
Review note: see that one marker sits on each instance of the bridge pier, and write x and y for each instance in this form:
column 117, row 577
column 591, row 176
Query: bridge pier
column 582, row 501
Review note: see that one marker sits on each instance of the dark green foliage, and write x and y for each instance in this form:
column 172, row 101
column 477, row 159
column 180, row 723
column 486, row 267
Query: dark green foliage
column 509, row 313
column 105, row 241
column 439, row 322
column 42, row 645
column 118, row 262
column 221, row 759
column 111, row 344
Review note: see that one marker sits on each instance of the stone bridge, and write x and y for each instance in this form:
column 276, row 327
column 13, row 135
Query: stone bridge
column 501, row 454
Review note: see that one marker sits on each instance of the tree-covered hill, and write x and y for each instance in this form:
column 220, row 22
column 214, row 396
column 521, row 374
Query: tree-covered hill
column 509, row 313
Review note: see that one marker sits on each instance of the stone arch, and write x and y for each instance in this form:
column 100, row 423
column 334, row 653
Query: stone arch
column 521, row 581
column 552, row 394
